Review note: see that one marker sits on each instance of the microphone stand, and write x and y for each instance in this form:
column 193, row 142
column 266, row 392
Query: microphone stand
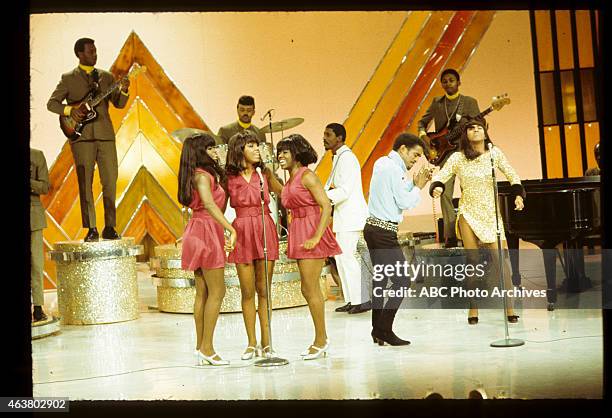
column 507, row 341
column 279, row 214
column 268, row 361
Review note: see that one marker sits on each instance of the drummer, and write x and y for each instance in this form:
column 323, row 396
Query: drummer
column 246, row 110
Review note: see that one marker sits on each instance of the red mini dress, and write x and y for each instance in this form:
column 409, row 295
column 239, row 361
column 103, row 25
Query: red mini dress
column 203, row 239
column 245, row 198
column 305, row 218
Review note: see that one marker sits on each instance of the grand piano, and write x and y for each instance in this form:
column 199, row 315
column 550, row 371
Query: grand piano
column 556, row 211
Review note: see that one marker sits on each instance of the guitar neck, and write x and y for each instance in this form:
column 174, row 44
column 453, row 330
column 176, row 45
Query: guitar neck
column 485, row 112
column 96, row 100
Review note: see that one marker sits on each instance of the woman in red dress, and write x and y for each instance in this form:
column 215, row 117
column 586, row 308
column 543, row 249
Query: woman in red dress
column 204, row 245
column 244, row 188
column 310, row 239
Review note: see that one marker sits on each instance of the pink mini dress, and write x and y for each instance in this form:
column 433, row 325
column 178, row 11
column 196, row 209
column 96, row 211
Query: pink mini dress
column 203, row 239
column 305, row 218
column 245, row 198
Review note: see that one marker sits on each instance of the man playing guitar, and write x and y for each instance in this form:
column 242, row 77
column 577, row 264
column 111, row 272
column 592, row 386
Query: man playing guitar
column 96, row 142
column 445, row 112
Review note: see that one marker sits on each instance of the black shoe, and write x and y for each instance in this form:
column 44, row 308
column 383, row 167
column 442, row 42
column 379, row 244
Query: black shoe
column 38, row 314
column 389, row 337
column 110, row 233
column 344, row 308
column 92, row 235
column 361, row 308
column 513, row 318
column 472, row 320
column 451, row 243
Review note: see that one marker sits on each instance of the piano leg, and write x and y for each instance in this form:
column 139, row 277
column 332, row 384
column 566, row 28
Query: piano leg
column 550, row 268
column 513, row 244
column 576, row 280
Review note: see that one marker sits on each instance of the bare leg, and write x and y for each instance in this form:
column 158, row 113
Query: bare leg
column 246, row 276
column 262, row 305
column 310, row 271
column 198, row 306
column 215, row 286
column 507, row 275
column 470, row 242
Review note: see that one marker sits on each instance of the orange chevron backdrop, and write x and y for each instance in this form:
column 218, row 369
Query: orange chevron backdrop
column 148, row 161
column 405, row 81
column 396, row 96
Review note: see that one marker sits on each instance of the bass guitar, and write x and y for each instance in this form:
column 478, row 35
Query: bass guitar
column 446, row 141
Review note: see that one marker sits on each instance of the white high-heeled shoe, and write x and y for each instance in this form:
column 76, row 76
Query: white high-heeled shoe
column 250, row 352
column 307, row 351
column 267, row 352
column 211, row 360
column 320, row 352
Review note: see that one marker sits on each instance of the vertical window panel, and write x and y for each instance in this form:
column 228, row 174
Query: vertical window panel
column 544, row 37
column 587, row 83
column 585, row 40
column 552, row 142
column 573, row 151
column 568, row 97
column 549, row 100
column 591, row 134
column 564, row 39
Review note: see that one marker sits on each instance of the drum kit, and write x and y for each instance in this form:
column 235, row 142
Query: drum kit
column 266, row 149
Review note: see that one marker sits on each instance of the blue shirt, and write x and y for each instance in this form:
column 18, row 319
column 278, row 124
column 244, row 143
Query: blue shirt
column 391, row 191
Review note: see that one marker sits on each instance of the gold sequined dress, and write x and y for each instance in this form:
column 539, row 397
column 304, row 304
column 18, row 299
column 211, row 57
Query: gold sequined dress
column 476, row 204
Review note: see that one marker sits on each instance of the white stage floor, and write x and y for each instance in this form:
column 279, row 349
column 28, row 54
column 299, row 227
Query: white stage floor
column 152, row 357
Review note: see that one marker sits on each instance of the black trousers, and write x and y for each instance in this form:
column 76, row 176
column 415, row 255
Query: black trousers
column 384, row 249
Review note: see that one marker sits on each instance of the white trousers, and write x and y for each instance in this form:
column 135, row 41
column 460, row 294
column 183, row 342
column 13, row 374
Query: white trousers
column 349, row 267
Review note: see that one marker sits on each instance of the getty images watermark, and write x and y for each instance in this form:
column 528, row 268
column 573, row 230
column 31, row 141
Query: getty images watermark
column 459, row 272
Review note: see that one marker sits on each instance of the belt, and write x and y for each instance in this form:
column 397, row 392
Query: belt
column 249, row 211
column 388, row 225
column 304, row 211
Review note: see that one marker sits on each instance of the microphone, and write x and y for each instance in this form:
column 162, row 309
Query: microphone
column 269, row 112
column 258, row 169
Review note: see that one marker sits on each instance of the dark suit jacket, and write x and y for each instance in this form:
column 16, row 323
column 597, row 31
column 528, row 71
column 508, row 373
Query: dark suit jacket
column 436, row 111
column 227, row 131
column 73, row 87
column 39, row 184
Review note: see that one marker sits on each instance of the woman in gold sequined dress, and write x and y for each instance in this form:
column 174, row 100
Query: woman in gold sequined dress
column 476, row 223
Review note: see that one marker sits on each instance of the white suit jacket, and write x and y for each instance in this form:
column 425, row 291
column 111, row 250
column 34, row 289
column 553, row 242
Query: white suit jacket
column 343, row 187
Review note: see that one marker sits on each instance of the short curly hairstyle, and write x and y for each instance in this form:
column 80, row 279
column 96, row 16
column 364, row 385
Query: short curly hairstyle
column 300, row 149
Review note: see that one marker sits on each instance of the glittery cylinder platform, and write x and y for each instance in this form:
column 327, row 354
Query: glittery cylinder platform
column 176, row 287
column 96, row 281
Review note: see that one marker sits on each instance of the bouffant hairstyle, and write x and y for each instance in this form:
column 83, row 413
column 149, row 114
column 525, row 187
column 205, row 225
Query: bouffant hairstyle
column 194, row 156
column 300, row 149
column 465, row 145
column 235, row 152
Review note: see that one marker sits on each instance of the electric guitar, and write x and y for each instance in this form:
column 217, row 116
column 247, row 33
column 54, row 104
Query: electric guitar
column 446, row 141
column 72, row 127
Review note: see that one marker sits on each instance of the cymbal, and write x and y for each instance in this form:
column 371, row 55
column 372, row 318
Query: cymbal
column 282, row 125
column 184, row 133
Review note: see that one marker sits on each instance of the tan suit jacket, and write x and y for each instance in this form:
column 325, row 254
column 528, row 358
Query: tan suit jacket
column 73, row 87
column 39, row 184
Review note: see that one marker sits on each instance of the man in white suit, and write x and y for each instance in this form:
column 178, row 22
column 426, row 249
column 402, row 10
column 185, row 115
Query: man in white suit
column 350, row 210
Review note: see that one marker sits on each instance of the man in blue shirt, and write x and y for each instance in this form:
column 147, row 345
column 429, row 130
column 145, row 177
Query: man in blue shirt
column 391, row 192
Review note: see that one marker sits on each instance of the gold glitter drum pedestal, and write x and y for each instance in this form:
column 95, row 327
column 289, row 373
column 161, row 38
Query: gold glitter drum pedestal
column 96, row 281
column 176, row 287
